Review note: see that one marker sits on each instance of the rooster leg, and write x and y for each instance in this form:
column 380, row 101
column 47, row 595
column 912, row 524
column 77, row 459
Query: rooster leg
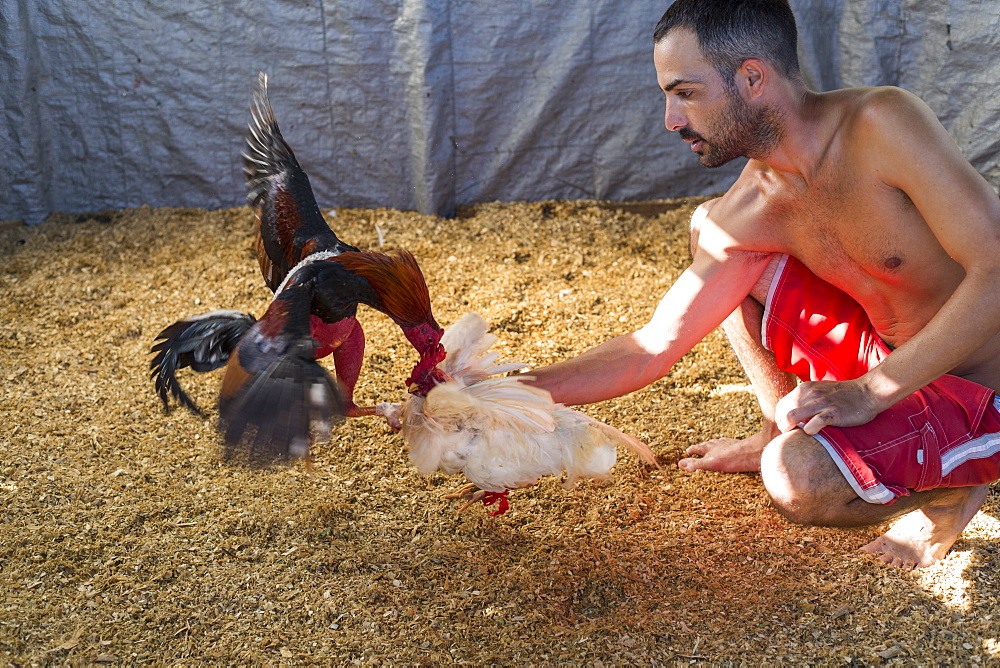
column 473, row 499
column 353, row 410
column 346, row 341
column 466, row 492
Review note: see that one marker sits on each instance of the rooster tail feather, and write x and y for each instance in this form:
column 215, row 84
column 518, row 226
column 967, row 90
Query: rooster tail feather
column 203, row 343
column 590, row 448
column 267, row 154
column 163, row 371
column 630, row 443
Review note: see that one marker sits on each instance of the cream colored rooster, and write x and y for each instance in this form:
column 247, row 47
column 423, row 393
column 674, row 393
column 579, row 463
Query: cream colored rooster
column 498, row 431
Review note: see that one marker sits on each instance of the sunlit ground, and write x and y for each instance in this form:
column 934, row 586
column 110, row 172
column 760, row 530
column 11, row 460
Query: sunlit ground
column 950, row 581
column 727, row 389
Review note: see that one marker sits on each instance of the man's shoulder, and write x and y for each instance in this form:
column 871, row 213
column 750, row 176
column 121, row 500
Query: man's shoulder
column 879, row 109
column 736, row 221
column 864, row 97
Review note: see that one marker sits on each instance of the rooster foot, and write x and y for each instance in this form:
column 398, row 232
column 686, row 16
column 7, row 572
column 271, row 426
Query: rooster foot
column 471, row 494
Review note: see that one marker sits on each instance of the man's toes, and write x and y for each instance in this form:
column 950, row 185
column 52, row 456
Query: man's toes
column 685, row 464
column 887, row 559
column 692, row 464
column 716, row 444
column 697, row 449
column 895, row 561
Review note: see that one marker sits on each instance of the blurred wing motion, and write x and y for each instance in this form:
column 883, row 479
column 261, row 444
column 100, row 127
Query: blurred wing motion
column 274, row 394
column 275, row 397
column 498, row 431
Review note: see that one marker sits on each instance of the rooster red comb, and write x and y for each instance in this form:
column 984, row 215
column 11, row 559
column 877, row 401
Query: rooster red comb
column 396, row 278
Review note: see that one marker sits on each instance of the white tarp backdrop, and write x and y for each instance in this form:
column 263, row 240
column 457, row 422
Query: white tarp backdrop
column 418, row 104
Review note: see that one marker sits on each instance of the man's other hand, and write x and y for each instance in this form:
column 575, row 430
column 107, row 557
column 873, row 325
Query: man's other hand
column 814, row 405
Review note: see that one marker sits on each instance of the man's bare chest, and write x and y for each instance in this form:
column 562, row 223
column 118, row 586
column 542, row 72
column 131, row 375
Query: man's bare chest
column 853, row 236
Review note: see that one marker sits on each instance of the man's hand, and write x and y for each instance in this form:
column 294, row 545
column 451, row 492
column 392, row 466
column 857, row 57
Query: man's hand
column 825, row 403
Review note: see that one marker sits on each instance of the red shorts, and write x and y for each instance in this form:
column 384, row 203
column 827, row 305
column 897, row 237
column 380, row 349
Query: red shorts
column 947, row 434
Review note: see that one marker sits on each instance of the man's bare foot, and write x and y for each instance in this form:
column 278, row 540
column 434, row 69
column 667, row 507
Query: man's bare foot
column 922, row 537
column 728, row 455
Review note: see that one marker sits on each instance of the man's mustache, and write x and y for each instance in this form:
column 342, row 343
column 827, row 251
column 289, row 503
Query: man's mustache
column 688, row 134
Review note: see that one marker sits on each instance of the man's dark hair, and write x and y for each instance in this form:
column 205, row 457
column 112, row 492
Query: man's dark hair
column 730, row 31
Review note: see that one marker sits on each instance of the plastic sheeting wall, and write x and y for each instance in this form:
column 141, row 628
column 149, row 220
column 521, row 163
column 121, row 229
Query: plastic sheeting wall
column 417, row 104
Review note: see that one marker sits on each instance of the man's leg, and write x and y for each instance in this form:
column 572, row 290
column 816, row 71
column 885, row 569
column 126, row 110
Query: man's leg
column 743, row 328
column 807, row 487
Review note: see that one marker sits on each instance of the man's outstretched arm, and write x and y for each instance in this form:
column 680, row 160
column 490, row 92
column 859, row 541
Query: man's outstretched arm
column 701, row 298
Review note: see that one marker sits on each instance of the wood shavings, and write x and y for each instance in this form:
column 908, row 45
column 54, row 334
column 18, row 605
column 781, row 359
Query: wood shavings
column 125, row 540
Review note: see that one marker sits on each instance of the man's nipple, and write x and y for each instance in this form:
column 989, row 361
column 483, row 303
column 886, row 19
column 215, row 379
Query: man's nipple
column 893, row 262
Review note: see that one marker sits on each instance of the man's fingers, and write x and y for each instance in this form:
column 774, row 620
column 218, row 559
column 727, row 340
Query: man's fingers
column 793, row 418
column 808, row 418
column 784, row 423
column 815, row 424
column 812, row 406
column 789, row 410
column 810, row 425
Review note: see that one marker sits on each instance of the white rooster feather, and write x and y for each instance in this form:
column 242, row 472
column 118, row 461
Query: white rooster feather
column 498, row 431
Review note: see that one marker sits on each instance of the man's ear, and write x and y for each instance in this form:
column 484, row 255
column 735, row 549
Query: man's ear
column 752, row 76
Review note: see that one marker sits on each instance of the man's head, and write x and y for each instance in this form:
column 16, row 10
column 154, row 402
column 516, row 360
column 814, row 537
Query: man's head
column 731, row 31
column 713, row 59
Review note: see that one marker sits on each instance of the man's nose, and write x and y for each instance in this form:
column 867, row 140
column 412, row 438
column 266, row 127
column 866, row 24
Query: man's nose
column 673, row 119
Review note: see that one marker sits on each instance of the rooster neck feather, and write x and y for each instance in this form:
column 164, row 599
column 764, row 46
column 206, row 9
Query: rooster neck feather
column 397, row 280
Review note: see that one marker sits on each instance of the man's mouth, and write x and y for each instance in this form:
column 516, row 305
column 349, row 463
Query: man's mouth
column 692, row 138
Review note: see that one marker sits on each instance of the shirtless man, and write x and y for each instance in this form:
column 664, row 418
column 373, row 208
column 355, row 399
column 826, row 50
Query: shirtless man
column 870, row 250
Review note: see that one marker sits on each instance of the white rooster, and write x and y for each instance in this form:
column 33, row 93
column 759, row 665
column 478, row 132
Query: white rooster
column 498, row 431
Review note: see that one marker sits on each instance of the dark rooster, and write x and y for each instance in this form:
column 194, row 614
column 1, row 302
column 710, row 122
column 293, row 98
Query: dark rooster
column 274, row 395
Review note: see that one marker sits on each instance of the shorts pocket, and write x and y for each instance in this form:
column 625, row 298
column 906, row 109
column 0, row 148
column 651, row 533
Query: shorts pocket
column 928, row 454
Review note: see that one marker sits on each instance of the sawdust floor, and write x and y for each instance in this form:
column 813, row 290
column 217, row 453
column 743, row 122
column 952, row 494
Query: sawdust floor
column 124, row 539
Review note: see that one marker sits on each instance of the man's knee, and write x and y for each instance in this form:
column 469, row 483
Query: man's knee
column 803, row 481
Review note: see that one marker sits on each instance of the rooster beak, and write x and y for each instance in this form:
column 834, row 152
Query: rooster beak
column 412, row 387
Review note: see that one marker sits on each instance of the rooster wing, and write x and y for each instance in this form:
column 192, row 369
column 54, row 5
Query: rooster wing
column 202, row 342
column 275, row 395
column 290, row 226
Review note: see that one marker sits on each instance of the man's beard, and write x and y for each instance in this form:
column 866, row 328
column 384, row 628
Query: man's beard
column 742, row 132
